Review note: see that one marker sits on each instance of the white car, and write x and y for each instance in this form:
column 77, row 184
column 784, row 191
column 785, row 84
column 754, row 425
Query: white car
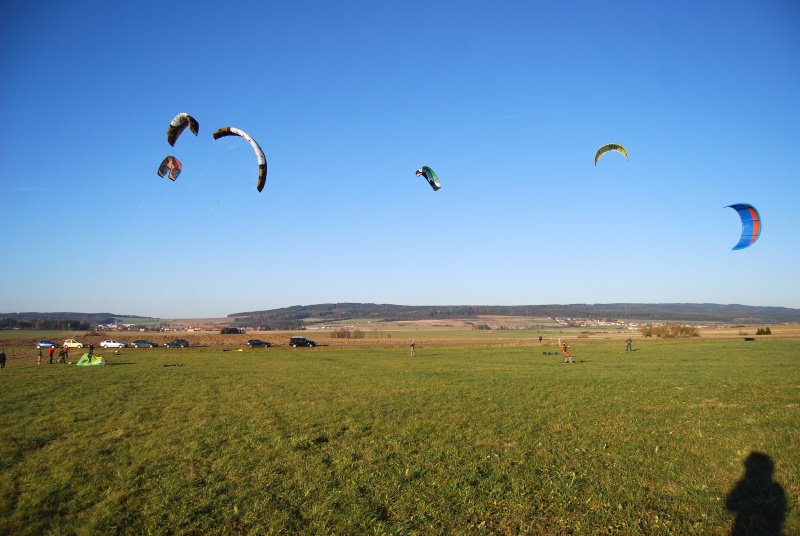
column 112, row 344
column 72, row 343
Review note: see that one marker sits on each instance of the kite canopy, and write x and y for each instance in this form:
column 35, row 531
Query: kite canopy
column 179, row 124
column 430, row 176
column 610, row 147
column 262, row 160
column 87, row 360
column 170, row 165
column 751, row 224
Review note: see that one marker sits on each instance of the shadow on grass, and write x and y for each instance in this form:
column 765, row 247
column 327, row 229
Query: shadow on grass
column 758, row 502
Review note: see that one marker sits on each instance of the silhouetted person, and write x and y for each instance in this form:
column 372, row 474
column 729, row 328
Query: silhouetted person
column 2, row 360
column 629, row 345
column 758, row 503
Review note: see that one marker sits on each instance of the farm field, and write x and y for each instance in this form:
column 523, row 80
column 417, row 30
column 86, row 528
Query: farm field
column 18, row 344
column 464, row 438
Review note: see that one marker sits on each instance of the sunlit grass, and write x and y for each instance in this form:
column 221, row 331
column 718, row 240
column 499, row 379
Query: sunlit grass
column 356, row 440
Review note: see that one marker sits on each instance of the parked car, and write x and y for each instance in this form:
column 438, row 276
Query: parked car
column 143, row 343
column 72, row 343
column 296, row 342
column 177, row 343
column 111, row 343
column 230, row 331
column 45, row 344
column 258, row 343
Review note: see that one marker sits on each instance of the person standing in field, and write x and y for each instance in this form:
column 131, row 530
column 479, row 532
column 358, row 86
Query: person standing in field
column 66, row 354
column 565, row 352
column 629, row 345
column 62, row 354
column 39, row 357
column 2, row 359
column 413, row 349
column 51, row 351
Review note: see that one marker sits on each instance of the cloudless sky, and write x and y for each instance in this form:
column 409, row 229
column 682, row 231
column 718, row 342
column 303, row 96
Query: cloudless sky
column 506, row 101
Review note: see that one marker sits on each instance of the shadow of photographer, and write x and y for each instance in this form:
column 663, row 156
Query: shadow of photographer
column 758, row 502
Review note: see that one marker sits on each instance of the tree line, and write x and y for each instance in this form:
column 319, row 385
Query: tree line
column 44, row 323
column 669, row 331
column 674, row 312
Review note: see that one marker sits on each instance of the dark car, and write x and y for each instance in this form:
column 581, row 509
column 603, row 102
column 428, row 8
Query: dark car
column 296, row 342
column 258, row 343
column 177, row 343
column 143, row 343
column 230, row 331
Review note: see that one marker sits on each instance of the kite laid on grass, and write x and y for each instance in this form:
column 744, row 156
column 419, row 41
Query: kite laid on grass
column 430, row 176
column 262, row 161
column 610, row 147
column 751, row 224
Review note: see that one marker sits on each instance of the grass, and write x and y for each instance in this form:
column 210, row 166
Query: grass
column 360, row 441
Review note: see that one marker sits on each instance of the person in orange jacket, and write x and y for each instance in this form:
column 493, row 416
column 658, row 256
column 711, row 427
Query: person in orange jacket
column 565, row 352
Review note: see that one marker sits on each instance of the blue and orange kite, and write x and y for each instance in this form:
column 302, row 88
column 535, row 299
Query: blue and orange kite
column 751, row 224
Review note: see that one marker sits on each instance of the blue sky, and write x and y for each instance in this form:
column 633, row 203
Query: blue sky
column 507, row 101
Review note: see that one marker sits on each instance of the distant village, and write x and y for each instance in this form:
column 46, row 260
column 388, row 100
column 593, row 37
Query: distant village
column 160, row 327
column 589, row 323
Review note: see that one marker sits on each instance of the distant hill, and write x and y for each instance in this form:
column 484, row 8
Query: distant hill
column 300, row 315
column 63, row 320
column 296, row 316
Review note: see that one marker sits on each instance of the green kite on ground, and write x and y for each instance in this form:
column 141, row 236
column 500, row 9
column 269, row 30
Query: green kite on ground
column 88, row 361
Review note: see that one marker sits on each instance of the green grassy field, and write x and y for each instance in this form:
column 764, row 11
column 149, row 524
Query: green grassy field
column 337, row 440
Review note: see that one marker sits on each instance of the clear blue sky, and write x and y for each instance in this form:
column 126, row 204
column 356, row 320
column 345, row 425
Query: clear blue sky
column 507, row 101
